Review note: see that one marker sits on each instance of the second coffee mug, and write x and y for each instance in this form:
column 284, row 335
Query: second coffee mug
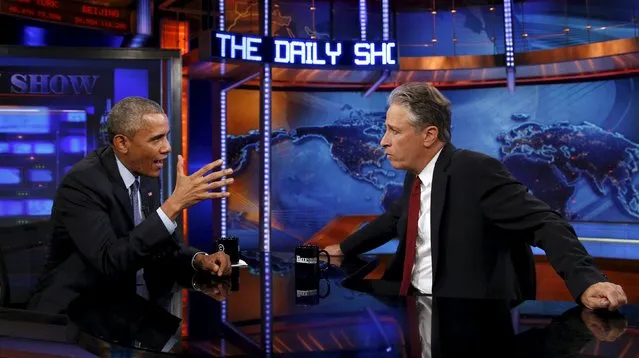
column 307, row 261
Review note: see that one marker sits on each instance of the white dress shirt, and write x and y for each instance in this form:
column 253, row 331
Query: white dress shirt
column 128, row 179
column 422, row 274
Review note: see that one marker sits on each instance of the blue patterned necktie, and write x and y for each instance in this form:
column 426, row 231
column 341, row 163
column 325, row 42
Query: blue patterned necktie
column 137, row 219
column 135, row 202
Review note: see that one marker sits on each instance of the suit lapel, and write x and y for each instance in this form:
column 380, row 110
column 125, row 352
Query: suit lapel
column 121, row 193
column 438, row 199
column 149, row 195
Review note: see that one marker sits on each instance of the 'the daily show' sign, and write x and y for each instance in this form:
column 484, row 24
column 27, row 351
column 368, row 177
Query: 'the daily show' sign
column 286, row 52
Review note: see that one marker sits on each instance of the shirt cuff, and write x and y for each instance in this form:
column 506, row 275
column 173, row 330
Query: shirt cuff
column 170, row 225
column 193, row 259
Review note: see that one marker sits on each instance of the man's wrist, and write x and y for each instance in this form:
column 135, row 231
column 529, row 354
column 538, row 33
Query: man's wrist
column 171, row 209
column 196, row 262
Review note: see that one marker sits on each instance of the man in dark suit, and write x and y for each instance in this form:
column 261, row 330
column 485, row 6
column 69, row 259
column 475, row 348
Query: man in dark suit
column 111, row 232
column 464, row 223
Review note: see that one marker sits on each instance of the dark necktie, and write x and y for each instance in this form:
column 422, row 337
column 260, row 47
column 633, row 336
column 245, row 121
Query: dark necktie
column 137, row 219
column 411, row 236
column 135, row 202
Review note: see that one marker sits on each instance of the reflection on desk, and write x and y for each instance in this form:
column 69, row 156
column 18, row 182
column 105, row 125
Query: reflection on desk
column 205, row 315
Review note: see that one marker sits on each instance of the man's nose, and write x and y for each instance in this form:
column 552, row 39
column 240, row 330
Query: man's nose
column 166, row 148
column 384, row 142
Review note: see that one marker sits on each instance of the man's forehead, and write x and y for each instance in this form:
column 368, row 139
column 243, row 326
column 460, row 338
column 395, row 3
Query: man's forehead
column 154, row 117
column 395, row 120
column 154, row 124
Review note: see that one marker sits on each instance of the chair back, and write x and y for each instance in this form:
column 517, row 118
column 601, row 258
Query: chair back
column 23, row 254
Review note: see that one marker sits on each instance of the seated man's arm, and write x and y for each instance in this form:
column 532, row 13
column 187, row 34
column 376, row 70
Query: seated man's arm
column 185, row 256
column 508, row 204
column 380, row 231
column 189, row 258
column 85, row 216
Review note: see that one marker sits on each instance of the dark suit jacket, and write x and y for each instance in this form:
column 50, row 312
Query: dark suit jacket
column 482, row 223
column 94, row 244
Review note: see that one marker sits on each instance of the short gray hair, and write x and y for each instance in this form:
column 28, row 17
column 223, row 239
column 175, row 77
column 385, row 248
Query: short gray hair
column 126, row 116
column 426, row 107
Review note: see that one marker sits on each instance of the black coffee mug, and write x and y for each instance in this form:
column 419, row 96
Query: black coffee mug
column 307, row 261
column 231, row 247
column 307, row 291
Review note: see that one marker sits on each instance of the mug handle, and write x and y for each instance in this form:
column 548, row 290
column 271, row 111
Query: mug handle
column 328, row 257
column 328, row 289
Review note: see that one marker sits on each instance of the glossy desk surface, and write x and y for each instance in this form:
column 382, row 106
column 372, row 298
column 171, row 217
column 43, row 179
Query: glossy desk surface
column 250, row 315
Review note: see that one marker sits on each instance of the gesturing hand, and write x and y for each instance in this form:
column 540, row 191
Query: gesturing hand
column 192, row 189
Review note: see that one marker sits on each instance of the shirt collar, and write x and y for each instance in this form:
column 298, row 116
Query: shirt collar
column 426, row 176
column 126, row 175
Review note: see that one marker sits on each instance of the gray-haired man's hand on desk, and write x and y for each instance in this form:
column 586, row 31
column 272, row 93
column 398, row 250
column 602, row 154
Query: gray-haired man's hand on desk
column 334, row 250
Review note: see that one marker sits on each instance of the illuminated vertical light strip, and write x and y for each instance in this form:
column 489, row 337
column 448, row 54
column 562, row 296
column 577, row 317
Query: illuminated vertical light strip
column 363, row 19
column 223, row 138
column 266, row 158
column 222, row 27
column 510, row 47
column 265, row 188
column 267, row 312
column 266, row 208
column 223, row 201
column 385, row 21
column 223, row 156
column 222, row 17
column 265, row 143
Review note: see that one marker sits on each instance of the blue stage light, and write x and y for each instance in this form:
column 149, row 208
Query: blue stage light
column 11, row 208
column 9, row 176
column 24, row 121
column 40, row 175
column 34, row 36
column 39, row 207
column 75, row 116
column 74, row 144
column 43, row 148
column 21, row 148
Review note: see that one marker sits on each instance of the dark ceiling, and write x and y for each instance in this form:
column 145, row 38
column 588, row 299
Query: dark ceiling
column 397, row 5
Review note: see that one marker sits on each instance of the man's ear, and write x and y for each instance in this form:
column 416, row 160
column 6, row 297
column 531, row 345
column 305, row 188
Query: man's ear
column 430, row 135
column 121, row 143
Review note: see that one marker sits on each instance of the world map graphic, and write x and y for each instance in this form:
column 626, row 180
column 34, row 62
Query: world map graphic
column 550, row 159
